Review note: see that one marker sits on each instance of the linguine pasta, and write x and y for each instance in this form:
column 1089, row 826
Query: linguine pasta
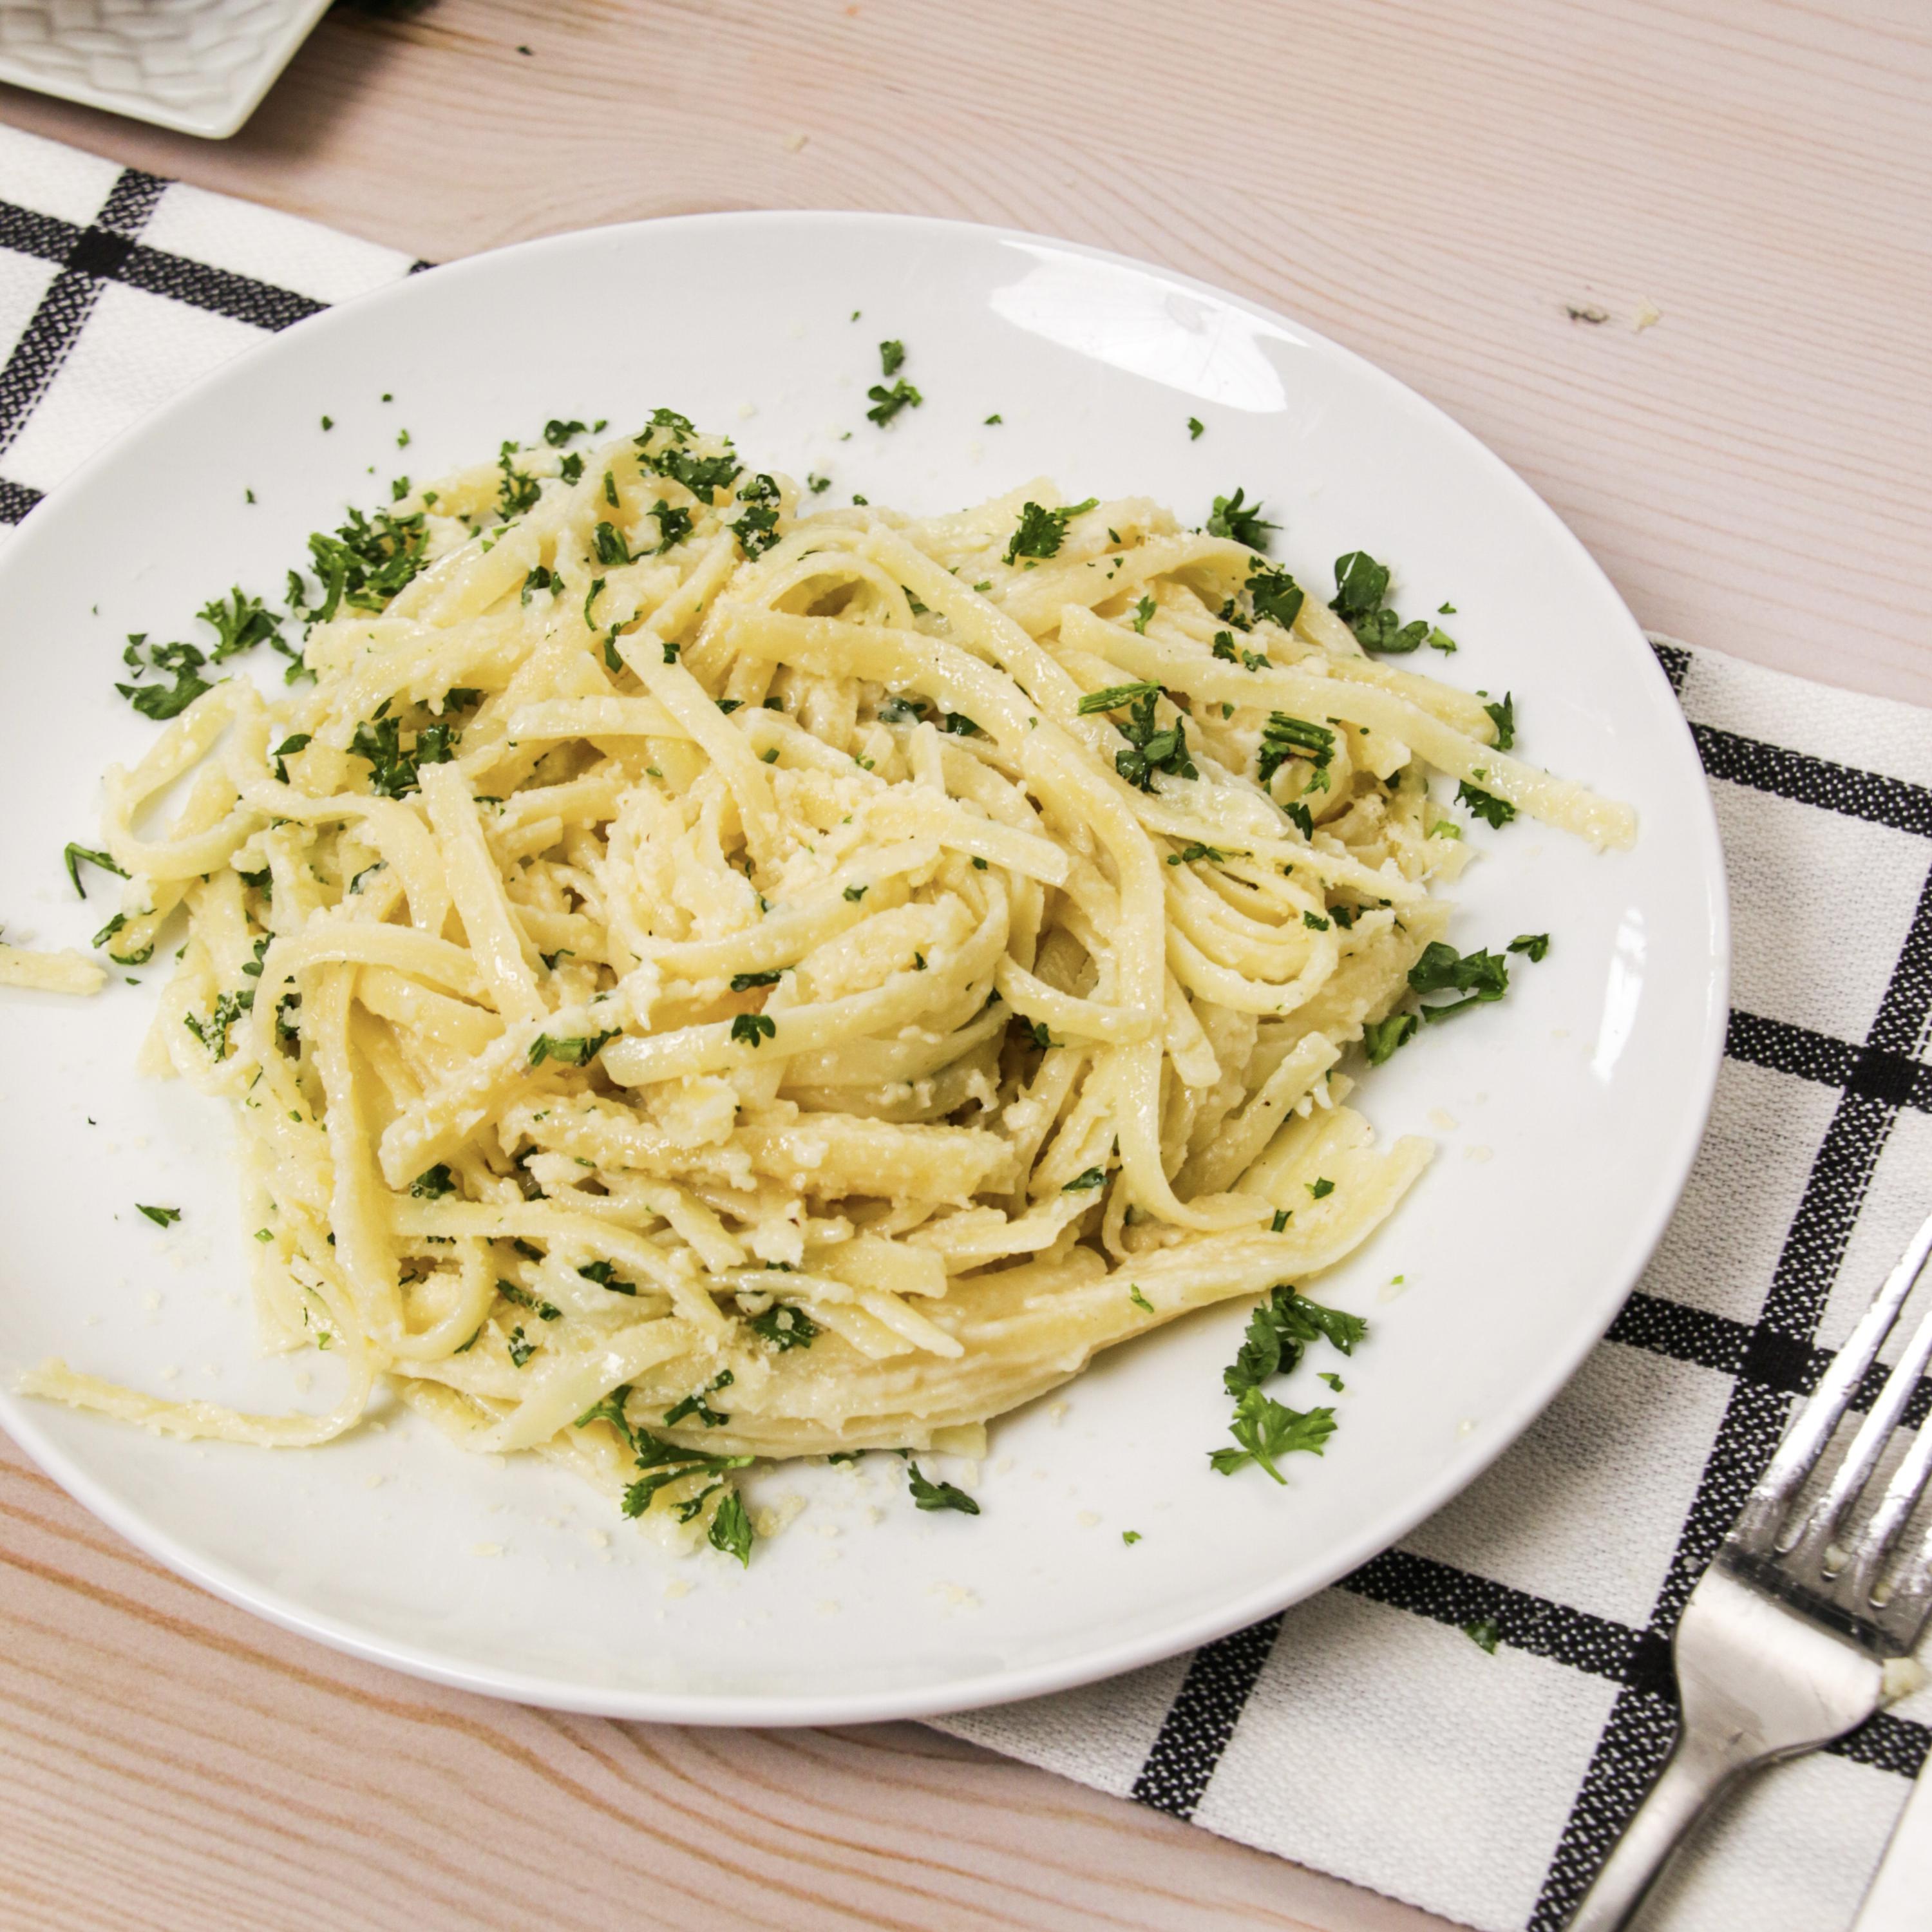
column 700, row 981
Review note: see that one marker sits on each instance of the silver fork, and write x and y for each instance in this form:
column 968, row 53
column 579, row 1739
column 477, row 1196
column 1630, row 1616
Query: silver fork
column 1784, row 1643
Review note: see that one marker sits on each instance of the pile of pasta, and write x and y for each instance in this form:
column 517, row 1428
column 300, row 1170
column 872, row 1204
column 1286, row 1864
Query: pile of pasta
column 699, row 980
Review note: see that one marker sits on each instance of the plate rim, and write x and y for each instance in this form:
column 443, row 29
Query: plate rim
column 1501, row 1431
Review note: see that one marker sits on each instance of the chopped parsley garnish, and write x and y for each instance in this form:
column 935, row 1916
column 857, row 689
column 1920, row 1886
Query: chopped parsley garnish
column 1152, row 747
column 108, row 931
column 610, row 545
column 1266, row 1429
column 959, row 724
column 891, row 355
column 1496, row 812
column 700, row 475
column 1380, row 1038
column 1279, row 1330
column 1194, row 850
column 1321, row 1188
column 1042, row 531
column 557, row 432
column 213, row 1032
column 1093, row 1177
column 1329, row 1376
column 365, row 563
column 1314, row 921
column 544, row 1311
column 162, row 1217
column 298, row 741
column 743, row 982
column 160, row 702
column 1195, row 426
column 1143, row 611
column 433, row 1182
column 75, row 853
column 1478, row 977
column 239, row 623
column 518, row 491
column 753, row 1030
column 1535, row 944
column 605, row 1276
column 540, row 579
column 392, row 771
column 785, row 1328
column 995, row 417
column 664, row 1462
column 817, row 484
column 572, row 1050
column 1115, row 695
column 927, row 1495
column 1241, row 520
column 570, row 469
column 521, row 1351
column 1275, row 595
column 1283, row 738
column 1139, row 1300
column 731, row 1531
column 886, row 404
column 1505, row 717
column 1361, row 584
column 1484, row 1634
column 1439, row 640
column 697, row 1404
column 856, row 893
column 757, row 528
column 898, row 710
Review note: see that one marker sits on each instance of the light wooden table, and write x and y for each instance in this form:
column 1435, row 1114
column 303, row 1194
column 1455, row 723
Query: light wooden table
column 1440, row 187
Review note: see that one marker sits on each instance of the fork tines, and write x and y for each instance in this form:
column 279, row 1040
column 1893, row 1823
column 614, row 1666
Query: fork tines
column 1843, row 1584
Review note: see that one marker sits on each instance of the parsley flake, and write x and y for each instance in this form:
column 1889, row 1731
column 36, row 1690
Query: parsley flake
column 75, row 853
column 1042, row 531
column 1234, row 517
column 1267, row 1430
column 753, row 1030
column 928, row 1495
column 886, row 404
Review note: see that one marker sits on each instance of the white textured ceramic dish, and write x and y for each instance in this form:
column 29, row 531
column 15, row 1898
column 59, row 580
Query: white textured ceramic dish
column 201, row 66
column 1577, row 1103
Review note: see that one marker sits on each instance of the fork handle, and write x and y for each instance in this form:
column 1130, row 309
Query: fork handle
column 1696, row 1771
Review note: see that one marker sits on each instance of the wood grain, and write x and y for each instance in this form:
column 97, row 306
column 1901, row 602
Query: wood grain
column 1437, row 186
column 167, row 1761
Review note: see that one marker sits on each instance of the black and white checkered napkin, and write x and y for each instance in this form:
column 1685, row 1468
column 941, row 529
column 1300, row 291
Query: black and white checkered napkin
column 1362, row 1732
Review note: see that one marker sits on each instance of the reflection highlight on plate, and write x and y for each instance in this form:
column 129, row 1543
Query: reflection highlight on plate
column 1132, row 321
column 1623, row 989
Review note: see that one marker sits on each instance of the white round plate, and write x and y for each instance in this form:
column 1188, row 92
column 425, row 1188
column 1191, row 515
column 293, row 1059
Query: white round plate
column 1577, row 1103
